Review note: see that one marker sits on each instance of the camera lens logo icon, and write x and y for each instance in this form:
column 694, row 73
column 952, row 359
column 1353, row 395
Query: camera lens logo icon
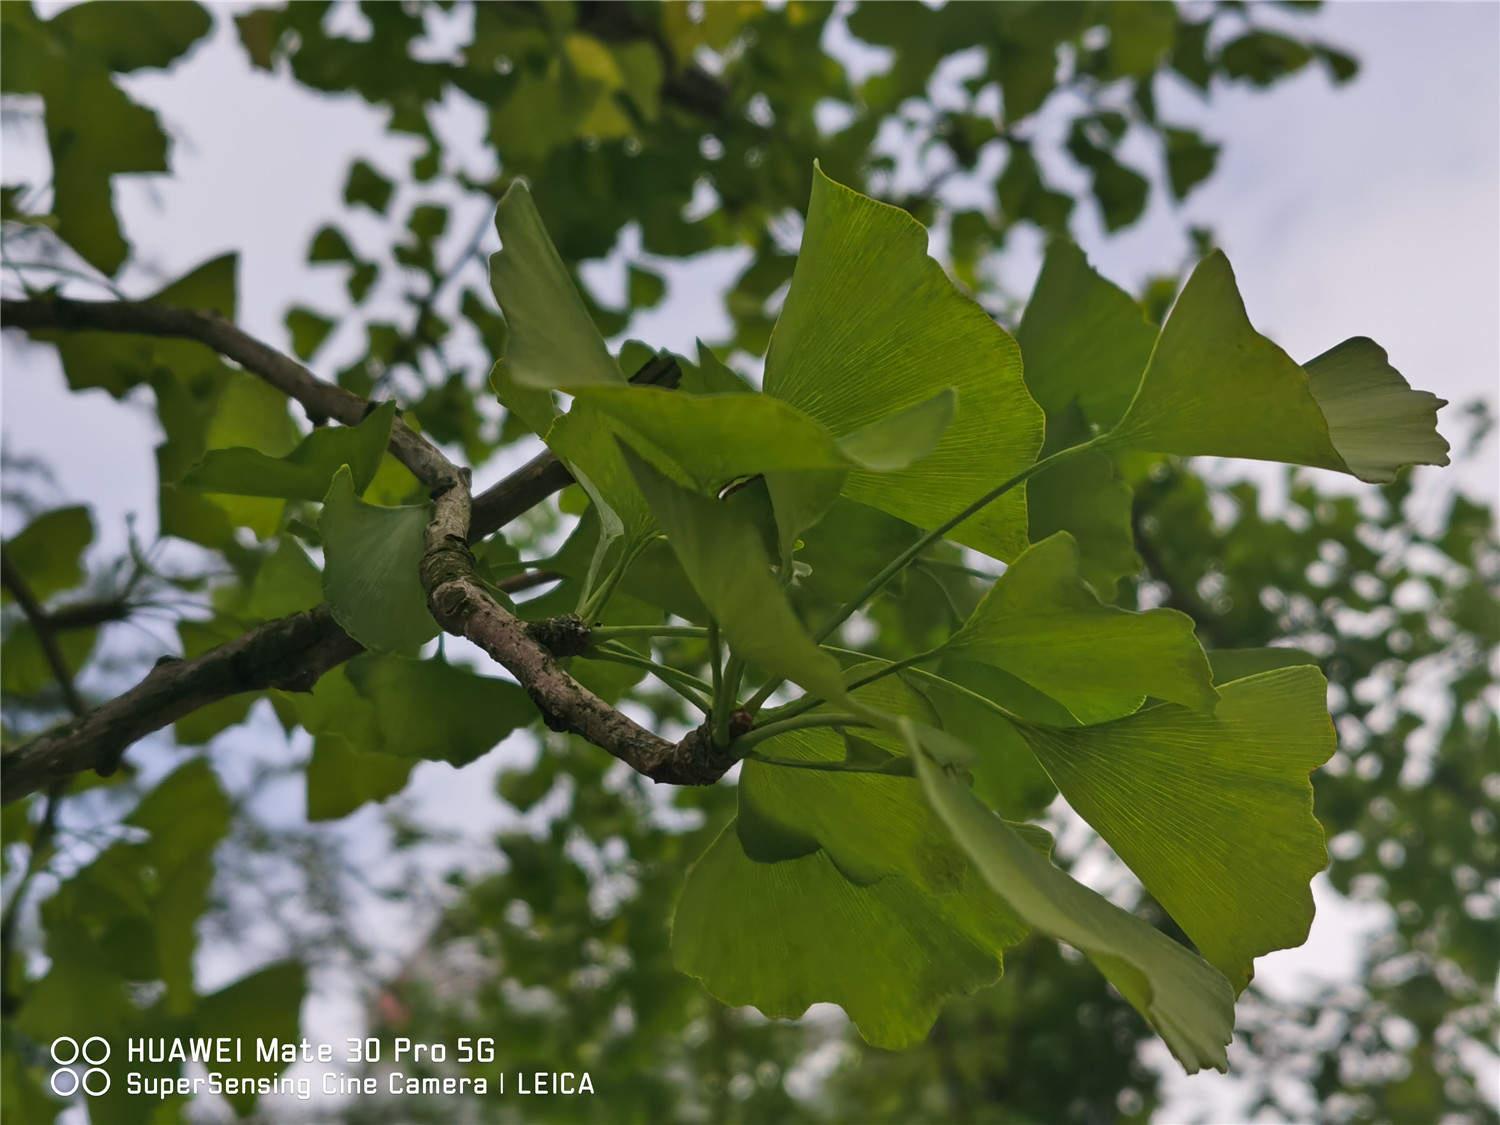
column 66, row 1052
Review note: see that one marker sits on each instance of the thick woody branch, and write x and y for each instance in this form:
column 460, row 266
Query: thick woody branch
column 462, row 606
column 289, row 653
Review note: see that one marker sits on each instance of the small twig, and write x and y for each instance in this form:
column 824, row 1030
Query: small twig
column 42, row 626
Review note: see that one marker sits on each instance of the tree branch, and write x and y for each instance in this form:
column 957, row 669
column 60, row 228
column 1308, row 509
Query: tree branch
column 459, row 603
column 10, row 918
column 44, row 628
column 292, row 652
column 321, row 400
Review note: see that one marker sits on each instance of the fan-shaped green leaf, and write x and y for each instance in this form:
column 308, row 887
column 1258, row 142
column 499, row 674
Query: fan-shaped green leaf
column 1041, row 623
column 726, row 561
column 304, row 473
column 436, row 710
column 552, row 340
column 1189, row 1004
column 48, row 551
column 872, row 326
column 370, row 571
column 783, row 936
column 713, row 439
column 1215, row 386
column 1213, row 812
column 1085, row 341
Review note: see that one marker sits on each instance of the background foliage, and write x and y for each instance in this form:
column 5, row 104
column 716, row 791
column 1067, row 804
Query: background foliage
column 672, row 130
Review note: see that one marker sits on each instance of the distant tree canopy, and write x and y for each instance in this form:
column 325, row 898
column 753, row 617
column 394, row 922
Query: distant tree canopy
column 932, row 562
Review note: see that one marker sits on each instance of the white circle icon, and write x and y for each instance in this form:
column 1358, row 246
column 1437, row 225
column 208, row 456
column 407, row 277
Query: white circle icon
column 95, row 1081
column 88, row 1052
column 65, row 1043
column 64, row 1083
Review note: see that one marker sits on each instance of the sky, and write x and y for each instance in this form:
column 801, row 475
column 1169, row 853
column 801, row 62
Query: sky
column 1370, row 209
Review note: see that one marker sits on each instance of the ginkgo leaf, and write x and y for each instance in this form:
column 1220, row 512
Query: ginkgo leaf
column 436, row 710
column 304, row 473
column 871, row 825
column 1041, row 623
column 727, row 564
column 341, row 778
column 1085, row 496
column 48, row 551
column 1377, row 421
column 552, row 341
column 1214, row 813
column 783, row 936
column 871, row 326
column 974, row 703
column 1190, row 1005
column 585, row 439
column 1215, row 386
column 370, row 571
column 713, row 439
column 1237, row 663
column 1085, row 341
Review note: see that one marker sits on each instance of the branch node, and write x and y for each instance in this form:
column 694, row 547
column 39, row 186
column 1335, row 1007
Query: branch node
column 564, row 635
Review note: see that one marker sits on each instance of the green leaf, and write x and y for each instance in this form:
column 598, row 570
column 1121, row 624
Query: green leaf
column 1139, row 35
column 726, row 562
column 902, row 438
column 340, row 778
column 305, row 472
column 714, row 439
column 95, row 131
column 140, row 36
column 1217, row 387
column 1263, row 57
column 370, row 573
column 1377, row 422
column 367, row 186
column 1237, row 663
column 553, row 343
column 1188, row 1003
column 258, row 1008
column 308, row 330
column 286, row 582
column 974, row 703
column 1084, row 340
column 24, row 669
column 1213, row 812
column 436, row 710
column 645, row 288
column 185, row 816
column 783, row 936
column 119, row 361
column 1190, row 159
column 870, row 825
column 872, row 326
column 329, row 245
column 1084, row 496
column 48, row 551
column 1041, row 623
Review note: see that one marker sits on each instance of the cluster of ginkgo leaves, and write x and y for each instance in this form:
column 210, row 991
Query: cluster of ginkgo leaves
column 882, row 857
column 868, row 864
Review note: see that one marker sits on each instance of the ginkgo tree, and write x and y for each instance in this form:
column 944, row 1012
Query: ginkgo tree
column 885, row 853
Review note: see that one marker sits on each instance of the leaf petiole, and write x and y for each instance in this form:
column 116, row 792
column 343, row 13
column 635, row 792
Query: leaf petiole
column 901, row 561
column 690, row 687
column 782, row 726
column 616, row 632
